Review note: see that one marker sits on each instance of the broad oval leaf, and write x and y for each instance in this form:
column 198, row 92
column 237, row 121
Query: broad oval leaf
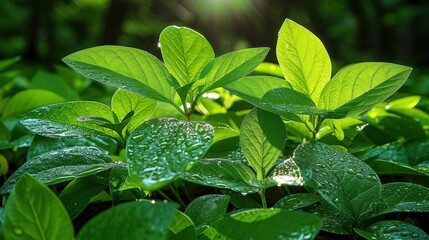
column 344, row 181
column 62, row 165
column 131, row 221
column 222, row 173
column 185, row 53
column 33, row 211
column 124, row 102
column 286, row 101
column 297, row 201
column 358, row 87
column 181, row 227
column 78, row 193
column 127, row 68
column 265, row 224
column 207, row 209
column 253, row 88
column 333, row 220
column 230, row 67
column 66, row 119
column 303, row 59
column 404, row 197
column 161, row 150
column 262, row 138
column 392, row 230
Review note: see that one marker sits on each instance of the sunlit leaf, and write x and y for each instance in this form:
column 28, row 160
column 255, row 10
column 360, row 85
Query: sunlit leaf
column 303, row 59
column 181, row 227
column 127, row 68
column 185, row 53
column 262, row 138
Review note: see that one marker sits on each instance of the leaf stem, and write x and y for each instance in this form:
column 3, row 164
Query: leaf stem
column 263, row 199
column 177, row 195
column 165, row 196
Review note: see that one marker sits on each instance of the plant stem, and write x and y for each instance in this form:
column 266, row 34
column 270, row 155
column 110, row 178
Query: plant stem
column 165, row 196
column 177, row 195
column 263, row 199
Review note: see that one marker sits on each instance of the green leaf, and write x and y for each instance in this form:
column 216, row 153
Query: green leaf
column 124, row 102
column 241, row 201
column 359, row 87
column 404, row 103
column 253, row 88
column 343, row 180
column 182, row 227
column 185, row 53
column 284, row 101
column 267, row 68
column 391, row 230
column 333, row 220
column 78, row 193
column 297, row 201
column 287, row 173
column 131, row 221
column 41, row 145
column 303, row 60
column 262, row 138
column 27, row 100
column 222, row 173
column 68, row 119
column 161, row 150
column 62, row 165
column 404, row 197
column 383, row 167
column 265, row 224
column 336, row 128
column 207, row 209
column 127, row 68
column 229, row 67
column 53, row 83
column 33, row 211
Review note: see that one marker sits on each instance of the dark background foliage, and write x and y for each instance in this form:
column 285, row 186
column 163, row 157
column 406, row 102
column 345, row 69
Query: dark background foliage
column 44, row 31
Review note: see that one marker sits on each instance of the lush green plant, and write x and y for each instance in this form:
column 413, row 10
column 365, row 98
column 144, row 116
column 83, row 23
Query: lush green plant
column 123, row 154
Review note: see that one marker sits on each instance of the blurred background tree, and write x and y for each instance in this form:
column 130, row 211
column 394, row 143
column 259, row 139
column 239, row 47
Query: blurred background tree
column 44, row 31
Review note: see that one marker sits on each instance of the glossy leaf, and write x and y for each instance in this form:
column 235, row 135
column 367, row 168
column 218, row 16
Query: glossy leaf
column 207, row 209
column 265, row 224
column 404, row 197
column 393, row 229
column 181, row 227
column 67, row 119
column 162, row 149
column 127, row 68
column 262, row 138
column 78, row 193
column 383, row 167
column 343, row 180
column 403, row 103
column 287, row 173
column 62, row 165
column 358, row 87
column 284, row 101
column 333, row 220
column 297, row 201
column 41, row 145
column 230, row 67
column 30, row 99
column 185, row 53
column 132, row 221
column 222, row 173
column 303, row 59
column 124, row 102
column 33, row 211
